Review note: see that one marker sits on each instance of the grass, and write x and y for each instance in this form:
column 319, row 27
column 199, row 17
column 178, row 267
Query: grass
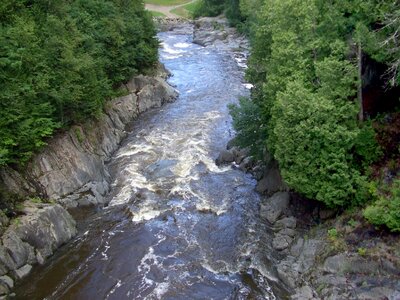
column 187, row 10
column 166, row 2
column 156, row 13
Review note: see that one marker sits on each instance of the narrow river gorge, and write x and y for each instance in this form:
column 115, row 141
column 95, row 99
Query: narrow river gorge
column 177, row 226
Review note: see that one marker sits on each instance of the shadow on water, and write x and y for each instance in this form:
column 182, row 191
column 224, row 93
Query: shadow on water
column 178, row 226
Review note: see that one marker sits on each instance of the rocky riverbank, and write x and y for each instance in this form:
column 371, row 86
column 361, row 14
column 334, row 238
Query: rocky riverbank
column 317, row 253
column 69, row 172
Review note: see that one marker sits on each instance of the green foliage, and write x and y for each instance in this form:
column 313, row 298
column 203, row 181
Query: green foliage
column 166, row 2
column 237, row 11
column 78, row 134
column 36, row 200
column 386, row 210
column 209, row 8
column 248, row 125
column 352, row 223
column 362, row 251
column 16, row 222
column 381, row 39
column 366, row 145
column 305, row 80
column 312, row 145
column 332, row 234
column 59, row 63
column 187, row 10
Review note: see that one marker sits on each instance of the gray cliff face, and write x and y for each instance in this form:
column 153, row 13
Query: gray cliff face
column 71, row 169
column 30, row 240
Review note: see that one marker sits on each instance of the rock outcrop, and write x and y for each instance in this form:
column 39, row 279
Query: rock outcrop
column 177, row 25
column 70, row 171
column 30, row 239
column 307, row 261
column 217, row 32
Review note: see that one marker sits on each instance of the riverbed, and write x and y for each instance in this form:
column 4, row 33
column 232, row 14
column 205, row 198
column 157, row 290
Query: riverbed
column 177, row 226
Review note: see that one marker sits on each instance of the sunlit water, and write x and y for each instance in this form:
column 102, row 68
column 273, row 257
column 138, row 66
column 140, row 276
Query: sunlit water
column 178, row 226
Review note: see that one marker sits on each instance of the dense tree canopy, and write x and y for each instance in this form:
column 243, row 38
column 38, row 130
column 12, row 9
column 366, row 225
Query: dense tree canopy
column 60, row 61
column 307, row 74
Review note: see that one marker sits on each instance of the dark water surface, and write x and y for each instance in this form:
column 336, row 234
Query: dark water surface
column 178, row 226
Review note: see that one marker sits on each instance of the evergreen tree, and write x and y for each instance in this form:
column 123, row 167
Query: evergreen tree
column 59, row 62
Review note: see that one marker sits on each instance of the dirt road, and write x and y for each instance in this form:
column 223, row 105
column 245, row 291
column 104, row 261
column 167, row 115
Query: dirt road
column 166, row 10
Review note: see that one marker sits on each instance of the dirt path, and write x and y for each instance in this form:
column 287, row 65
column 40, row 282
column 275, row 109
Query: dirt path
column 166, row 10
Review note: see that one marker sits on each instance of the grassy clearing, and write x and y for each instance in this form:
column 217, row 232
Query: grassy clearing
column 187, row 10
column 157, row 13
column 166, row 2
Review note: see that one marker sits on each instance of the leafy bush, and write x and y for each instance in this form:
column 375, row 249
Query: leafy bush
column 208, row 8
column 386, row 210
column 248, row 125
column 366, row 145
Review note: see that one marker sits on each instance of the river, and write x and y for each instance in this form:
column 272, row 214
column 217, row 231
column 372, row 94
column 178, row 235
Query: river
column 177, row 226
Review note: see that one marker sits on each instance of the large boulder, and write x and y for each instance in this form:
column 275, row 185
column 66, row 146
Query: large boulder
column 46, row 229
column 274, row 207
column 272, row 181
column 225, row 157
column 34, row 237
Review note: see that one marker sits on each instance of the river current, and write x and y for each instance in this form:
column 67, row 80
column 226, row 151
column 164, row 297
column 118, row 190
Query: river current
column 177, row 226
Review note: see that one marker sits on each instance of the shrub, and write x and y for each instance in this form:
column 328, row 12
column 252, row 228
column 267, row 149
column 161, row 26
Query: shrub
column 313, row 146
column 386, row 210
column 209, row 8
column 248, row 125
column 366, row 145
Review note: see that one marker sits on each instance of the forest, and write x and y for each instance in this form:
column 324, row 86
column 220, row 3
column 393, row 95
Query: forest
column 60, row 61
column 325, row 102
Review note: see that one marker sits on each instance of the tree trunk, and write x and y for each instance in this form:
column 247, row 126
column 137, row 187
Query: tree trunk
column 360, row 95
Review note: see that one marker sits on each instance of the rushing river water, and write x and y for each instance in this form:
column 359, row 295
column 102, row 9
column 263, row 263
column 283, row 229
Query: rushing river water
column 178, row 226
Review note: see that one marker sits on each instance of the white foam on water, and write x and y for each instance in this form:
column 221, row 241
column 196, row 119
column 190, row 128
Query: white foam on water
column 145, row 214
column 182, row 45
column 115, row 287
column 104, row 252
column 205, row 206
column 137, row 149
column 131, row 185
column 161, row 289
column 171, row 56
column 168, row 49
